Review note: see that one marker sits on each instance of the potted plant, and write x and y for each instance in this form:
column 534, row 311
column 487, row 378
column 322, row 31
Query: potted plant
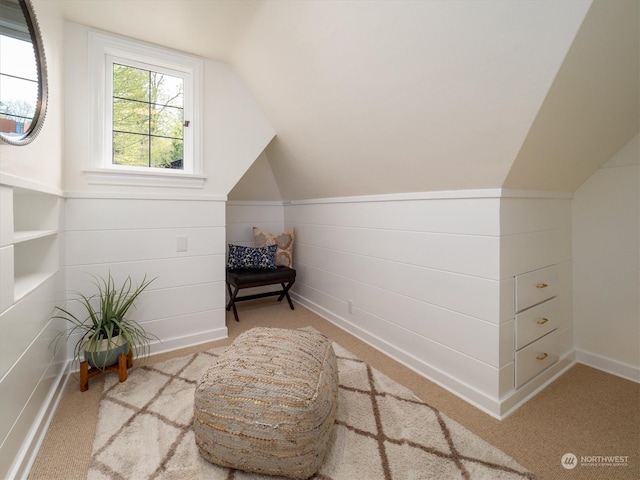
column 106, row 332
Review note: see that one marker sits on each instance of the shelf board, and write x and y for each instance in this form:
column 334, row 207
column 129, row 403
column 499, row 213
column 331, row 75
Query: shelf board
column 25, row 284
column 26, row 235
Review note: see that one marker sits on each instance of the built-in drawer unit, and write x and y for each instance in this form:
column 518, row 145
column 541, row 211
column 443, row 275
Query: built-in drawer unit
column 536, row 323
column 535, row 287
column 536, row 357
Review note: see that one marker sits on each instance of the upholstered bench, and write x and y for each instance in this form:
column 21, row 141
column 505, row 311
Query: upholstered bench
column 269, row 403
column 249, row 278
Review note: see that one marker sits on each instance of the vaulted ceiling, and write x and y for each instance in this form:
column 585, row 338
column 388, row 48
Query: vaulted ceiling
column 370, row 97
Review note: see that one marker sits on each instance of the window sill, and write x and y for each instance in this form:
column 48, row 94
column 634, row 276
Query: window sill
column 144, row 179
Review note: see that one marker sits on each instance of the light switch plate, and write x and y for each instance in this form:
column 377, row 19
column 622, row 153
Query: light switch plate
column 181, row 243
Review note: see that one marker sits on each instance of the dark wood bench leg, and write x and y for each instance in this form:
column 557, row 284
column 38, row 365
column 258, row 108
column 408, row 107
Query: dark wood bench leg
column 232, row 301
column 285, row 293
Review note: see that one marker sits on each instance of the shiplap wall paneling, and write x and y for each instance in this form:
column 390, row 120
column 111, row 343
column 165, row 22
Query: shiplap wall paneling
column 419, row 279
column 474, row 216
column 31, row 284
column 29, row 369
column 184, row 305
column 435, row 286
column 25, row 320
column 536, row 233
column 243, row 216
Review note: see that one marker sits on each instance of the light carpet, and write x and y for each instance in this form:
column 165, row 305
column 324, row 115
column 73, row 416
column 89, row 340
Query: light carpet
column 382, row 431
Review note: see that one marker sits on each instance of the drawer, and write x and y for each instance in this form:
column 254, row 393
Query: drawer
column 535, row 287
column 536, row 322
column 536, row 357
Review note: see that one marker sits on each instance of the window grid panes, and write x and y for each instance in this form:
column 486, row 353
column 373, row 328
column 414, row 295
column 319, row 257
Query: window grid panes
column 148, row 118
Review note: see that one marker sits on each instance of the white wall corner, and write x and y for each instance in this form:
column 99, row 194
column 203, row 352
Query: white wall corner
column 609, row 365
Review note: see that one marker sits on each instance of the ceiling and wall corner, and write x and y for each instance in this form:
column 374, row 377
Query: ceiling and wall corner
column 257, row 184
column 593, row 107
column 391, row 97
column 372, row 97
column 209, row 29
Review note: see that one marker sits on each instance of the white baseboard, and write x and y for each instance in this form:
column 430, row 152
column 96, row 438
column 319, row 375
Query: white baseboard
column 27, row 454
column 468, row 393
column 609, row 365
column 516, row 398
column 497, row 408
column 190, row 340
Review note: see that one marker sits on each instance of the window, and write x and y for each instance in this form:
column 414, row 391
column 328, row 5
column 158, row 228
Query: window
column 147, row 117
column 145, row 114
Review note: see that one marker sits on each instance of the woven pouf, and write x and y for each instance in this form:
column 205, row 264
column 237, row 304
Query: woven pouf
column 269, row 403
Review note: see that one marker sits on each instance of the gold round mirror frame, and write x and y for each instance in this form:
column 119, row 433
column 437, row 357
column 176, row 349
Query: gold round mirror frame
column 41, row 66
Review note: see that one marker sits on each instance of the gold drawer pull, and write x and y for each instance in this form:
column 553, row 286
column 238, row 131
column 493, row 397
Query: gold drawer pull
column 542, row 285
column 542, row 356
column 542, row 321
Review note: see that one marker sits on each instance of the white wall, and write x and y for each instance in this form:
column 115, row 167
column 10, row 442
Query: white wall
column 41, row 161
column 242, row 216
column 235, row 131
column 128, row 230
column 30, row 375
column 417, row 273
column 31, row 284
column 428, row 279
column 135, row 230
column 140, row 236
column 257, row 184
column 535, row 232
column 606, row 231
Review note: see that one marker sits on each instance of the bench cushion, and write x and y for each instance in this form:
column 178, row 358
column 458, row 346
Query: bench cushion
column 269, row 403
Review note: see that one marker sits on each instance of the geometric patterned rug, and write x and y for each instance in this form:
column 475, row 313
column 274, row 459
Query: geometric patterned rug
column 382, row 431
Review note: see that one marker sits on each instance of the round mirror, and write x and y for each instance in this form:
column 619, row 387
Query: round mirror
column 23, row 73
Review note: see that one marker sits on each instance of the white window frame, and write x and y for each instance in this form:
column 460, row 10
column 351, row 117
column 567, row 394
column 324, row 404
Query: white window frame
column 104, row 50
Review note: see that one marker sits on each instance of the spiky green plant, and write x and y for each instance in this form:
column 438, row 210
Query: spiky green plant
column 106, row 320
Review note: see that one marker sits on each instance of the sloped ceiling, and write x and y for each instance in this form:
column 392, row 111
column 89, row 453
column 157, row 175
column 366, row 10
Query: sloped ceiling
column 208, row 28
column 372, row 97
column 592, row 108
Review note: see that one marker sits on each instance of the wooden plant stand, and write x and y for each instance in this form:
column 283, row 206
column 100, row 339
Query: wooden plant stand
column 87, row 372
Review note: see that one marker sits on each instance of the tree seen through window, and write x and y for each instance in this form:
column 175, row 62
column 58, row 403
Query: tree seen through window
column 148, row 118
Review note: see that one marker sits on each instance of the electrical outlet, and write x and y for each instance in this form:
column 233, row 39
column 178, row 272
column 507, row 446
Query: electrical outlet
column 350, row 306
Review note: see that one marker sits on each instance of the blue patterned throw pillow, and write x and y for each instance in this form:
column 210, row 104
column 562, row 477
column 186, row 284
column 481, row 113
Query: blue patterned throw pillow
column 242, row 258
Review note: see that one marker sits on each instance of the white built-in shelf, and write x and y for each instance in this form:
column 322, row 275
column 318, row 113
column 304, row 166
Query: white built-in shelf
column 26, row 235
column 26, row 283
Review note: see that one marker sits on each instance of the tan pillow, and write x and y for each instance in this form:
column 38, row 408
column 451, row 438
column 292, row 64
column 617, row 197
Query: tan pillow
column 284, row 241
